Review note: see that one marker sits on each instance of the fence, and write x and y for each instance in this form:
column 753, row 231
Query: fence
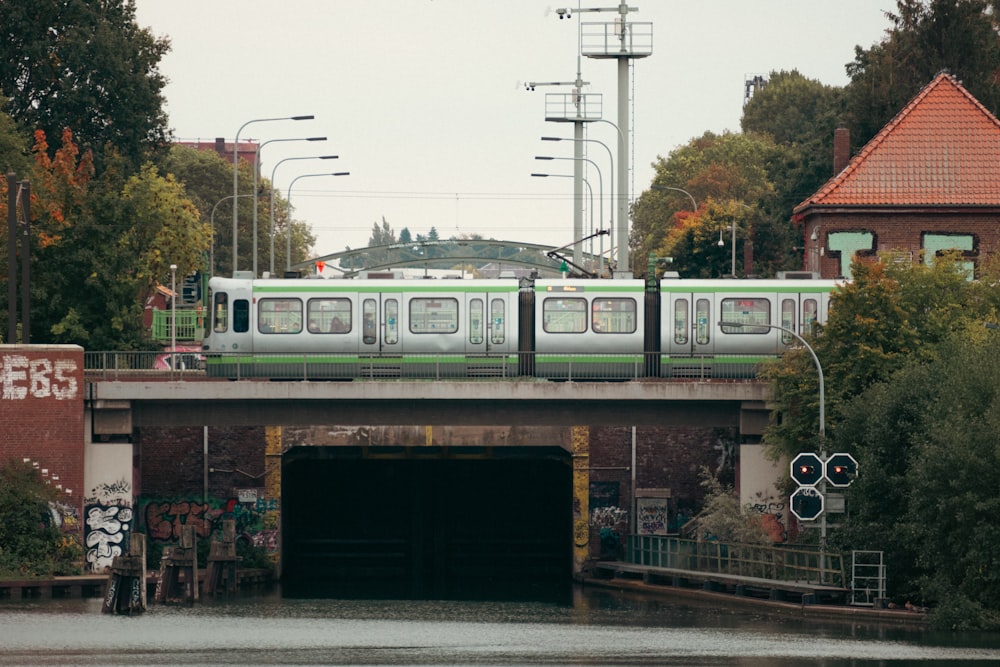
column 798, row 564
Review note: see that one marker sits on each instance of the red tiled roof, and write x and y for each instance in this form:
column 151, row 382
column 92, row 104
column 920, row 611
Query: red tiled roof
column 943, row 148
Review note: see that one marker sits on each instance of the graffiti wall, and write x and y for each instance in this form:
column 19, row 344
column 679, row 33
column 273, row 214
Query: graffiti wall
column 108, row 515
column 163, row 518
column 759, row 493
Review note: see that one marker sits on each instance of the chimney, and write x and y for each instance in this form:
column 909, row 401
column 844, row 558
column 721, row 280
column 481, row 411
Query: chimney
column 841, row 149
column 220, row 146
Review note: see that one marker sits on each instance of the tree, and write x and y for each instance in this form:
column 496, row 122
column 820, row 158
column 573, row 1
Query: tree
column 732, row 170
column 31, row 543
column 801, row 115
column 87, row 66
column 926, row 37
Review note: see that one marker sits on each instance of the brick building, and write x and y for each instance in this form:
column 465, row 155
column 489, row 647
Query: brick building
column 928, row 182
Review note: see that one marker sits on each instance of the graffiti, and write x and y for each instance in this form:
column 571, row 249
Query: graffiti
column 105, row 491
column 772, row 515
column 106, row 530
column 651, row 516
column 608, row 517
column 765, row 508
column 21, row 377
column 164, row 519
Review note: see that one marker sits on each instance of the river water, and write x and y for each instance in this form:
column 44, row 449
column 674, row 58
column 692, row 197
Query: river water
column 596, row 628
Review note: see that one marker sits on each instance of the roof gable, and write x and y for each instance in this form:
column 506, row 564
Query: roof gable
column 943, row 148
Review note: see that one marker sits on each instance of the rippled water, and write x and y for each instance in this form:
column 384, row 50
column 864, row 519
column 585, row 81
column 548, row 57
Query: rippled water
column 598, row 628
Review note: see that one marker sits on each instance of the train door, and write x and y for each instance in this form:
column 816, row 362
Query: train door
column 687, row 326
column 381, row 332
column 489, row 321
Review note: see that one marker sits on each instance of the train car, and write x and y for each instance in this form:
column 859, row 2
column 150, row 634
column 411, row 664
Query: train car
column 693, row 344
column 295, row 328
column 552, row 329
column 588, row 329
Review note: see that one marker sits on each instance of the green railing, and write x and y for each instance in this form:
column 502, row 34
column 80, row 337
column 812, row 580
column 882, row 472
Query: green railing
column 793, row 564
column 190, row 325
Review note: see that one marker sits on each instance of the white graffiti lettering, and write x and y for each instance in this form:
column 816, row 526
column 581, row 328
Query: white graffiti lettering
column 38, row 378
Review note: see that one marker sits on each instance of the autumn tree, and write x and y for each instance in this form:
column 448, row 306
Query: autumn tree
column 87, row 66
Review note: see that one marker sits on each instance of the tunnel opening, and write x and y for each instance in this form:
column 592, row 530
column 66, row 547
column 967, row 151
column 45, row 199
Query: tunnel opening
column 427, row 523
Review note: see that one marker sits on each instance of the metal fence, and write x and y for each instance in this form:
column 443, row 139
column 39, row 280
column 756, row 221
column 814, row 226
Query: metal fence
column 186, row 364
column 778, row 563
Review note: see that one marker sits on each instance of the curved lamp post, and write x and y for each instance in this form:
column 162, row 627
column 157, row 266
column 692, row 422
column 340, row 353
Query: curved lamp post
column 600, row 189
column 273, row 171
column 694, row 204
column 590, row 190
column 256, row 168
column 622, row 233
column 236, row 173
column 211, row 259
column 288, row 257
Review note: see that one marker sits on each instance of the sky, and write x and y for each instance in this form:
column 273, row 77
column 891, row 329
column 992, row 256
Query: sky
column 425, row 102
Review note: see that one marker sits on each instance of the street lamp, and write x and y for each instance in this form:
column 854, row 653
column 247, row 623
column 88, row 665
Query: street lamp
column 273, row 171
column 236, row 172
column 622, row 233
column 288, row 257
column 590, row 191
column 211, row 259
column 822, row 401
column 611, row 187
column 600, row 186
column 256, row 168
column 173, row 316
column 694, row 204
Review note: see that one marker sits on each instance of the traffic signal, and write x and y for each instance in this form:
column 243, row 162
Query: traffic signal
column 841, row 469
column 807, row 503
column 807, row 469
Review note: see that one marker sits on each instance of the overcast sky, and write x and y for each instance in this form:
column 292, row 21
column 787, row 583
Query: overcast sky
column 425, row 102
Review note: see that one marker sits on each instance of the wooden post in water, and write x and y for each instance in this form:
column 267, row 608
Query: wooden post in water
column 126, row 592
column 179, row 561
column 220, row 573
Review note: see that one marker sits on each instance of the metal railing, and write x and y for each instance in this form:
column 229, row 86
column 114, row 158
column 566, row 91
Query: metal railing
column 190, row 325
column 515, row 365
column 777, row 563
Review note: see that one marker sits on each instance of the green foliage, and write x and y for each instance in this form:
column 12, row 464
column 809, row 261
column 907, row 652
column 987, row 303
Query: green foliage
column 724, row 519
column 926, row 37
column 913, row 393
column 84, row 65
column 731, row 177
column 31, row 544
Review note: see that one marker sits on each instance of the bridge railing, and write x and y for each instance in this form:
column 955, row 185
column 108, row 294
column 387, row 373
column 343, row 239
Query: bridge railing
column 798, row 564
column 191, row 365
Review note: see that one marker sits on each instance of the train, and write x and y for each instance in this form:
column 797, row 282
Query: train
column 555, row 329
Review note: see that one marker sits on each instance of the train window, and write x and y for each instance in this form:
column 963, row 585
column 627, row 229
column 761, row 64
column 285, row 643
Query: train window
column 613, row 316
column 810, row 311
column 497, row 314
column 220, row 312
column 787, row 319
column 391, row 321
column 279, row 316
column 681, row 321
column 241, row 316
column 368, row 313
column 561, row 315
column 702, row 317
column 433, row 316
column 329, row 316
column 476, row 321
column 746, row 310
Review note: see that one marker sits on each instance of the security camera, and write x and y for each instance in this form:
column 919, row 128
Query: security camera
column 564, row 14
column 529, row 86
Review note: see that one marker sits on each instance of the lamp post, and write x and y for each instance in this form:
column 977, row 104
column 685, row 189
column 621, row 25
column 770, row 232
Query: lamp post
column 590, row 191
column 211, row 259
column 173, row 316
column 256, row 168
column 600, row 186
column 822, row 405
column 236, row 173
column 288, row 257
column 694, row 204
column 273, row 171
column 622, row 233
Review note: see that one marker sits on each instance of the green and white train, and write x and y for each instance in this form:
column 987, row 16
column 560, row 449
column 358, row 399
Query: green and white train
column 551, row 328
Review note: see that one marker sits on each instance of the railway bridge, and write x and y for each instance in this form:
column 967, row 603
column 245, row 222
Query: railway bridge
column 394, row 488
